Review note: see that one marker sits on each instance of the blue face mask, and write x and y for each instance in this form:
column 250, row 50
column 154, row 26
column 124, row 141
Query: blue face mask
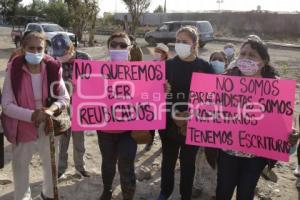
column 218, row 66
column 34, row 58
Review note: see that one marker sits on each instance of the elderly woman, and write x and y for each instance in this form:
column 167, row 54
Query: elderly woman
column 26, row 111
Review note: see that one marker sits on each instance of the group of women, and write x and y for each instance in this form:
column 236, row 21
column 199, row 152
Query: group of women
column 26, row 114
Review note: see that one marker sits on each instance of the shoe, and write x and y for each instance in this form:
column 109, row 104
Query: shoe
column 196, row 192
column 43, row 197
column 106, row 195
column 298, row 183
column 84, row 173
column 128, row 192
column 61, row 175
column 161, row 197
column 269, row 175
column 297, row 171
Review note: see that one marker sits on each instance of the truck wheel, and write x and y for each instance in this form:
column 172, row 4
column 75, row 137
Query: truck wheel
column 201, row 44
column 151, row 41
column 17, row 43
column 48, row 48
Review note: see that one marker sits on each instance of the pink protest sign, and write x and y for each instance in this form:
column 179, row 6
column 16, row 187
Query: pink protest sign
column 251, row 115
column 118, row 95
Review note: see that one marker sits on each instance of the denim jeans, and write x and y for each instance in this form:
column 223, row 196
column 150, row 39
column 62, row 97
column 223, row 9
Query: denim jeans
column 78, row 150
column 121, row 148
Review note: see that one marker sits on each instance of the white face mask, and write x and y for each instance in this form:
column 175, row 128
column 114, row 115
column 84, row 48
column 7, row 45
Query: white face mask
column 229, row 52
column 119, row 55
column 183, row 50
column 247, row 67
column 157, row 56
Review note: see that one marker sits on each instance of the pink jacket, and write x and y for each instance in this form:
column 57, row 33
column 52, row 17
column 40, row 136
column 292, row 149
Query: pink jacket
column 17, row 118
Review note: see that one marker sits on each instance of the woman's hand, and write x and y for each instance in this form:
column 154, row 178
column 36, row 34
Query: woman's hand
column 167, row 87
column 294, row 137
column 38, row 117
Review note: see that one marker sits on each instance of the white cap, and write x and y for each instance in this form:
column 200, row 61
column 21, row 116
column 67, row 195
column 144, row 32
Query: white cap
column 162, row 47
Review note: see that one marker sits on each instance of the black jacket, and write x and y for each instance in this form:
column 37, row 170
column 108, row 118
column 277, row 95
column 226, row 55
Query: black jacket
column 179, row 74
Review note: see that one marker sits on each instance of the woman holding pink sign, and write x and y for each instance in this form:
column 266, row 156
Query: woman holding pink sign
column 179, row 72
column 238, row 169
column 118, row 146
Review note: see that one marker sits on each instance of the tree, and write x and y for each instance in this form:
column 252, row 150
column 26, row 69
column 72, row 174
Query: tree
column 93, row 12
column 57, row 12
column 159, row 9
column 83, row 13
column 37, row 8
column 8, row 8
column 108, row 18
column 136, row 8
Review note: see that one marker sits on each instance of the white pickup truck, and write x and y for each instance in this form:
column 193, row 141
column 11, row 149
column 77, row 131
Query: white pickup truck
column 50, row 30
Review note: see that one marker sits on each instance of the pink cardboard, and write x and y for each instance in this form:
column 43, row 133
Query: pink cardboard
column 118, row 95
column 251, row 115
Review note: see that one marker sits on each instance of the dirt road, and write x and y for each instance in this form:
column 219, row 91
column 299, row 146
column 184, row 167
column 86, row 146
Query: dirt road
column 74, row 188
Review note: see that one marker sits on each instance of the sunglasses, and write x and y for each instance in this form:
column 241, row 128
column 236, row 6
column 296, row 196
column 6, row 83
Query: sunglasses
column 122, row 45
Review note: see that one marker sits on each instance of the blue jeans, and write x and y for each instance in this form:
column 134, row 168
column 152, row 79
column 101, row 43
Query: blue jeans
column 239, row 172
column 119, row 147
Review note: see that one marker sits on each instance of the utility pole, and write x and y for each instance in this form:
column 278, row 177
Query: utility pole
column 220, row 2
column 165, row 7
column 116, row 6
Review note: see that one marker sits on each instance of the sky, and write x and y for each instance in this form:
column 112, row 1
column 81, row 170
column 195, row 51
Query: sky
column 200, row 5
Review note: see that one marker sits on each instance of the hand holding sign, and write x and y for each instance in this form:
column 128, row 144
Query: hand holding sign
column 252, row 115
column 118, row 95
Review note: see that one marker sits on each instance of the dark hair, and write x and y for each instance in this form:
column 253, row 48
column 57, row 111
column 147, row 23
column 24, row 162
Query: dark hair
column 117, row 35
column 258, row 45
column 136, row 54
column 220, row 52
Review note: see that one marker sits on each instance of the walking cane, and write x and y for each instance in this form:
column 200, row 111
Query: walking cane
column 52, row 155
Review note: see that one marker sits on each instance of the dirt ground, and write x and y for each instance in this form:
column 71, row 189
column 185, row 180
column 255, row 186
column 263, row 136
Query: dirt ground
column 75, row 188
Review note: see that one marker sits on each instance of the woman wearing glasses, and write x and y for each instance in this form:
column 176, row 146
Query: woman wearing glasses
column 118, row 146
column 179, row 72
